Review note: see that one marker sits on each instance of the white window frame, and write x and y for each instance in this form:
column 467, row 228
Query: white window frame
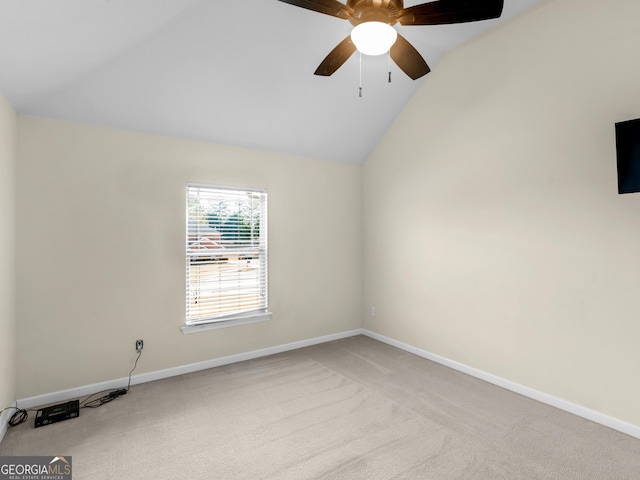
column 223, row 260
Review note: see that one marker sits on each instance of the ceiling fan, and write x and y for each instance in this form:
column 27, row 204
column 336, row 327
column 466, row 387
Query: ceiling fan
column 379, row 16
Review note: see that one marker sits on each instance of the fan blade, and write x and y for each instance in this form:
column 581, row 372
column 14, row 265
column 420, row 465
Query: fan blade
column 443, row 12
column 408, row 59
column 336, row 58
column 329, row 7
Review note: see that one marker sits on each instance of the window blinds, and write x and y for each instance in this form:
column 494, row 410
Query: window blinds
column 226, row 253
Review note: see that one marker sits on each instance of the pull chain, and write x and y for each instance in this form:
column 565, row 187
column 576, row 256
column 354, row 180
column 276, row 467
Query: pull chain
column 360, row 87
column 389, row 58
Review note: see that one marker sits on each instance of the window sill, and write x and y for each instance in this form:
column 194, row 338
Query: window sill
column 231, row 322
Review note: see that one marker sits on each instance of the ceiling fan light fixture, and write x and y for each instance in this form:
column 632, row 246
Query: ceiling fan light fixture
column 373, row 38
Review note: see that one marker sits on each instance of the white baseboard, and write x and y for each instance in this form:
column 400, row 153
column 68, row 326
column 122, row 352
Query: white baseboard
column 594, row 416
column 63, row 395
column 4, row 420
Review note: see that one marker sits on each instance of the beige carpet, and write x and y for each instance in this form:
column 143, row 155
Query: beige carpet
column 349, row 409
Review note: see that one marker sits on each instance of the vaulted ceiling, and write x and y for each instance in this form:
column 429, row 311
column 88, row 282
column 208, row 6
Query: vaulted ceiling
column 236, row 72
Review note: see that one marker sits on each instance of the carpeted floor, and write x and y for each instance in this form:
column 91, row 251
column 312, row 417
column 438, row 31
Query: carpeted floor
column 350, row 409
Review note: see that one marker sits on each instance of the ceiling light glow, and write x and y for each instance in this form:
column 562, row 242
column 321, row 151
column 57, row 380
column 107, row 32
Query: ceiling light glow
column 373, row 38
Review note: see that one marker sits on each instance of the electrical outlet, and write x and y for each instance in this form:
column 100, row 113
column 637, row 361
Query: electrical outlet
column 139, row 345
column 373, row 311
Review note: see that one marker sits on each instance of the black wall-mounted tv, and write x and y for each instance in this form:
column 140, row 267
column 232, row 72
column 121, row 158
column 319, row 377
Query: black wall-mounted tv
column 628, row 152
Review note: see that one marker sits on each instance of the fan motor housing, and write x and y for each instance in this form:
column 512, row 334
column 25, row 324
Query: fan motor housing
column 385, row 11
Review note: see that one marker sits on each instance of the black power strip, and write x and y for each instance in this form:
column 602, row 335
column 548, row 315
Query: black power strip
column 118, row 393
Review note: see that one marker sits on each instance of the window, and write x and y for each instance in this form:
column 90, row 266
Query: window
column 226, row 256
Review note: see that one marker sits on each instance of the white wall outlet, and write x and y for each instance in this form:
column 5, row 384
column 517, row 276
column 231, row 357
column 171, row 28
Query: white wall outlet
column 373, row 311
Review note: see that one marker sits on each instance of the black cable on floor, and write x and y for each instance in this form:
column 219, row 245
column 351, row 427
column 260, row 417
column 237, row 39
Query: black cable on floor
column 21, row 415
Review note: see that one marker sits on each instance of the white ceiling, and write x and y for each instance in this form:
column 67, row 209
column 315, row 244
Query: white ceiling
column 236, row 72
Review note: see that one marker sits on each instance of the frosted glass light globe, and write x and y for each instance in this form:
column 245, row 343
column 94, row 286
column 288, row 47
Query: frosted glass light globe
column 373, row 38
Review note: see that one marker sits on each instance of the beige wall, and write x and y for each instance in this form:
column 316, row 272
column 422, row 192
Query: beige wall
column 8, row 158
column 493, row 231
column 101, row 216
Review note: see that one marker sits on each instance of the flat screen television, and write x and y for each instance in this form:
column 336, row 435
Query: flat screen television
column 628, row 153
